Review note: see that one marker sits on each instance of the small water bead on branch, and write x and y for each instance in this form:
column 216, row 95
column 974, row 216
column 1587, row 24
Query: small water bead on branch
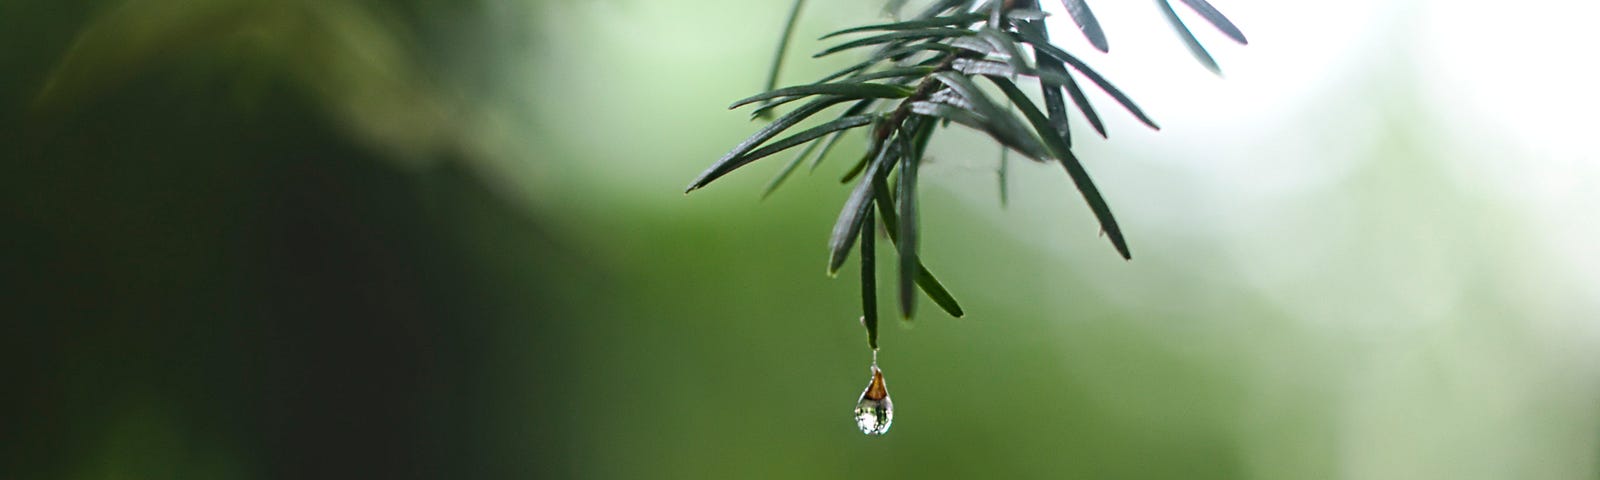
column 875, row 411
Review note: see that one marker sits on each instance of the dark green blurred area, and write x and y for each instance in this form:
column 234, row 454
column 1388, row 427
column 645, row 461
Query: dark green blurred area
column 206, row 276
column 446, row 239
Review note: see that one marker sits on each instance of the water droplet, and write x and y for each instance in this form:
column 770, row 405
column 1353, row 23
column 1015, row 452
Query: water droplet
column 875, row 411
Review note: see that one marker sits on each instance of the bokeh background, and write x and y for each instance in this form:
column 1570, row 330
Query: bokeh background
column 446, row 239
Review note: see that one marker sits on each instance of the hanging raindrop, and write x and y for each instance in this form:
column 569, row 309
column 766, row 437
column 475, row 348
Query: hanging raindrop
column 875, row 411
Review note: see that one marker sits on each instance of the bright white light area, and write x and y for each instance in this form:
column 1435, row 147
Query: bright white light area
column 1520, row 108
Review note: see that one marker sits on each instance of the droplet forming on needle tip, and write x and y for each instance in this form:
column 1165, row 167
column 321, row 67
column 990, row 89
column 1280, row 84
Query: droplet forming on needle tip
column 875, row 412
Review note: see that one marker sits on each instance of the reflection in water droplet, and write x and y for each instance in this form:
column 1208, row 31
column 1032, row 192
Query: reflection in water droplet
column 875, row 411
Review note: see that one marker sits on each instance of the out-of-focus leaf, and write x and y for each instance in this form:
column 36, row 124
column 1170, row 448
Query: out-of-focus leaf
column 869, row 279
column 918, row 34
column 783, row 44
column 808, row 135
column 907, row 202
column 1000, row 176
column 1057, row 109
column 1082, row 102
column 1090, row 26
column 997, row 120
column 925, row 279
column 1108, row 223
column 850, row 218
column 1051, row 51
column 1040, row 123
column 930, row 285
column 860, row 106
column 1005, row 162
column 777, row 180
column 1195, row 48
column 731, row 160
column 892, row 8
column 1063, row 153
column 852, row 90
column 363, row 73
column 899, row 72
column 950, row 21
column 886, row 55
column 817, row 160
column 120, row 43
column 833, row 139
column 1054, row 104
column 1217, row 19
column 860, row 166
column 1026, row 145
